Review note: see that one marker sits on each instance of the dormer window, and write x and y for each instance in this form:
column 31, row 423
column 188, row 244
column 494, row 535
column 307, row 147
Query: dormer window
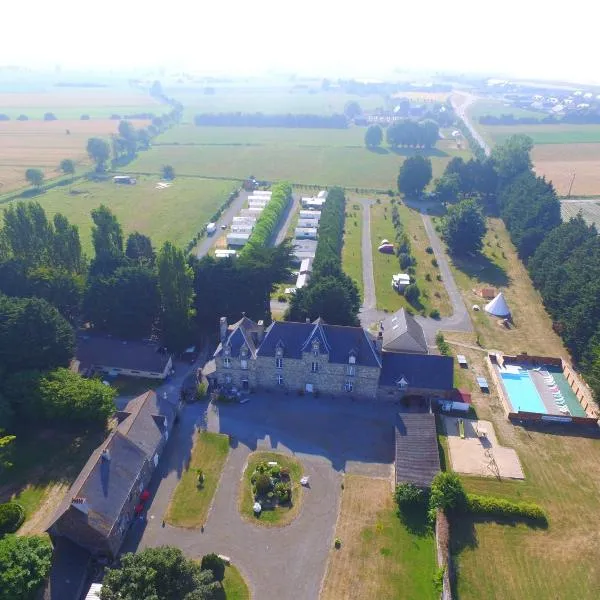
column 315, row 348
column 227, row 351
column 279, row 352
column 402, row 383
column 352, row 359
column 244, row 351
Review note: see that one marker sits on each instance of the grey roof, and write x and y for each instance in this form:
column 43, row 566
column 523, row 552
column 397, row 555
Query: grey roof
column 336, row 340
column 426, row 371
column 402, row 333
column 417, row 455
column 107, row 352
column 240, row 333
column 107, row 483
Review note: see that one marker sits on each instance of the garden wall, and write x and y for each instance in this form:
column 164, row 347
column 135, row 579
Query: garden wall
column 442, row 544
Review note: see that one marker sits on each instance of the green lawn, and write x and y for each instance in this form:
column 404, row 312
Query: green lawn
column 175, row 213
column 352, row 248
column 546, row 134
column 190, row 504
column 497, row 108
column 234, row 586
column 281, row 515
column 351, row 166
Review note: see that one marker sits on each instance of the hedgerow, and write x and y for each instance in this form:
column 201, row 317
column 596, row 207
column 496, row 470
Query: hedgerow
column 500, row 507
column 12, row 516
column 269, row 217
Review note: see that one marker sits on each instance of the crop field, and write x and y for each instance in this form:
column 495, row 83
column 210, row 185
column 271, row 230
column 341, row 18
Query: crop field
column 558, row 163
column 423, row 96
column 71, row 103
column 175, row 213
column 497, row 108
column 317, row 163
column 545, row 134
column 43, row 144
column 589, row 209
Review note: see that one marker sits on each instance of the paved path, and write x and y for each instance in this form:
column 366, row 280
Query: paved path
column 461, row 110
column 207, row 243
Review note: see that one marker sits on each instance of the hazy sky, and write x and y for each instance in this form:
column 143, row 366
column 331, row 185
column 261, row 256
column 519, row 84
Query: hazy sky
column 522, row 38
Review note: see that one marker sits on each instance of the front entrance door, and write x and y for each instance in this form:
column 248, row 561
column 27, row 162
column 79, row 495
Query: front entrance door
column 245, row 384
column 309, row 388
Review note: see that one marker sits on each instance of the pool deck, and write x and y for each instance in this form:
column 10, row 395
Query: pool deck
column 547, row 397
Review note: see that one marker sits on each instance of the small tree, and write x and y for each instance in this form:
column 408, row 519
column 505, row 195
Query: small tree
column 412, row 293
column 49, row 116
column 352, row 109
column 167, row 172
column 67, row 166
column 214, row 564
column 263, row 484
column 415, row 174
column 35, row 177
column 464, row 228
column 447, row 493
column 99, row 151
column 373, row 136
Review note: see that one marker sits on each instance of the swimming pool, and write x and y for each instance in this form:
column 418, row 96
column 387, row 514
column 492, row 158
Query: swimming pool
column 523, row 393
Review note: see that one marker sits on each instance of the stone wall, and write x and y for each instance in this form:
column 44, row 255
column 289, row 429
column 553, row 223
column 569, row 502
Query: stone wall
column 391, row 393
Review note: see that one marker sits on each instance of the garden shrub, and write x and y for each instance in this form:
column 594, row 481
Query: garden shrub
column 442, row 344
column 213, row 563
column 447, row 493
column 408, row 495
column 434, row 314
column 263, row 484
column 12, row 516
column 429, row 250
column 412, row 293
column 500, row 507
column 434, row 262
column 201, row 390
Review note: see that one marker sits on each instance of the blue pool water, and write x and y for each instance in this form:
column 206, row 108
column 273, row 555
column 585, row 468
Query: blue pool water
column 523, row 393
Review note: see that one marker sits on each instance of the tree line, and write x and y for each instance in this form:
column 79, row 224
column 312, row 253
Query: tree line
column 238, row 119
column 406, row 133
column 330, row 293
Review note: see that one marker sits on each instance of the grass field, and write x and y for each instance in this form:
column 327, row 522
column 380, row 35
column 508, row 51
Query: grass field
column 562, row 474
column 175, row 213
column 546, row 134
column 499, row 266
column 352, row 248
column 433, row 293
column 589, row 209
column 190, row 504
column 71, row 103
column 321, row 164
column 378, row 557
column 234, row 586
column 496, row 108
column 280, row 515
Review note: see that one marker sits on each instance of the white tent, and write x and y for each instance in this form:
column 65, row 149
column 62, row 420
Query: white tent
column 498, row 306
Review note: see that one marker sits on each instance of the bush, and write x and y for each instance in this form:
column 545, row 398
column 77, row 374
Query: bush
column 408, row 495
column 442, row 344
column 283, row 492
column 429, row 250
column 200, row 478
column 12, row 516
column 427, row 277
column 434, row 262
column 201, row 390
column 447, row 493
column 412, row 293
column 434, row 314
column 337, row 543
column 500, row 507
column 282, row 298
column 263, row 484
column 214, row 564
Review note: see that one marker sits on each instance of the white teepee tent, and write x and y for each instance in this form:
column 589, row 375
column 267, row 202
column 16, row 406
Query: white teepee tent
column 498, row 306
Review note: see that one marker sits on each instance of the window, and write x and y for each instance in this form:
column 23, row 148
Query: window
column 244, row 363
column 227, row 363
column 279, row 363
column 314, row 367
column 352, row 359
column 227, row 351
column 227, row 379
column 315, row 348
column 244, row 351
column 279, row 351
column 349, row 386
column 279, row 379
column 350, row 370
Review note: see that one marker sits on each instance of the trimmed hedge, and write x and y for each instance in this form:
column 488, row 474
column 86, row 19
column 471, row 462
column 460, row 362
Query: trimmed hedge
column 12, row 516
column 331, row 229
column 499, row 507
column 269, row 217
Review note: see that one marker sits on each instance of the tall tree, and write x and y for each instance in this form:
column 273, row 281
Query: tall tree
column 512, row 157
column 99, row 151
column 167, row 172
column 161, row 573
column 107, row 237
column 28, row 232
column 67, row 166
column 464, row 228
column 373, row 136
column 175, row 283
column 24, row 565
column 352, row 109
column 35, row 177
column 429, row 133
column 66, row 245
column 139, row 249
column 415, row 174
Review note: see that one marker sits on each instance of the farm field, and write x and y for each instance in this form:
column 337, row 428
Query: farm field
column 497, row 108
column 353, row 167
column 558, row 162
column 562, row 474
column 589, row 209
column 378, row 557
column 545, row 134
column 175, row 213
column 71, row 103
column 43, row 144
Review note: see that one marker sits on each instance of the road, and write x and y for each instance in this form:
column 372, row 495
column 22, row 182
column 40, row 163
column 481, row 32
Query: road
column 461, row 111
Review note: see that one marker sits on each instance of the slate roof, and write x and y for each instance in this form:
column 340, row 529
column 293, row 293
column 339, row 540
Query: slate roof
column 420, row 370
column 336, row 340
column 402, row 333
column 417, row 457
column 99, row 351
column 242, row 332
column 106, row 484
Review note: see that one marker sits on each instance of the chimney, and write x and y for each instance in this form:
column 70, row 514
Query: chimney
column 223, row 328
column 106, row 454
column 307, row 320
column 379, row 341
column 80, row 504
column 260, row 331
